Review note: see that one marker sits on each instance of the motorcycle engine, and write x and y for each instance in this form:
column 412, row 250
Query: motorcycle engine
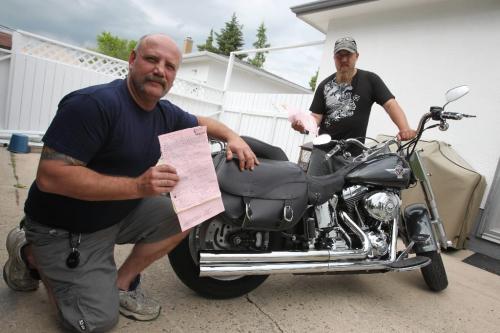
column 379, row 243
column 382, row 206
column 373, row 211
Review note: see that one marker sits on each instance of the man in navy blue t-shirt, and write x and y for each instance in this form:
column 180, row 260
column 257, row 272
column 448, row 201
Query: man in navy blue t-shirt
column 98, row 185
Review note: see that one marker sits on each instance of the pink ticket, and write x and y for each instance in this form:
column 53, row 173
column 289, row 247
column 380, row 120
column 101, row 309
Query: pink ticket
column 196, row 197
column 305, row 118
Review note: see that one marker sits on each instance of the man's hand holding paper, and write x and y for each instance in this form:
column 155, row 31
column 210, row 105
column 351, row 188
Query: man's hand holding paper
column 301, row 121
column 159, row 179
column 196, row 196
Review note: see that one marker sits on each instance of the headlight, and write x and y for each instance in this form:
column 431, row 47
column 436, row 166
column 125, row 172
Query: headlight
column 383, row 206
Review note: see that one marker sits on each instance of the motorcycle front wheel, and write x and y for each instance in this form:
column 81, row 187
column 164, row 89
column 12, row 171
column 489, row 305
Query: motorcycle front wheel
column 184, row 261
column 434, row 274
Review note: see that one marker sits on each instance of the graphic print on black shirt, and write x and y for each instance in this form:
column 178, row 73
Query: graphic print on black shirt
column 345, row 108
column 339, row 102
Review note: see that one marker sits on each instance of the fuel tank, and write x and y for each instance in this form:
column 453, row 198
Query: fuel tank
column 389, row 170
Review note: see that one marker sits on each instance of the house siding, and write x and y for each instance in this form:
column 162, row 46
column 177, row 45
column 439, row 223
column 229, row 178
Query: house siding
column 420, row 51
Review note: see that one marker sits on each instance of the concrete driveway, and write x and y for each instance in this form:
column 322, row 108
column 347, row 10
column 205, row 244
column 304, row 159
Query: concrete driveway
column 391, row 302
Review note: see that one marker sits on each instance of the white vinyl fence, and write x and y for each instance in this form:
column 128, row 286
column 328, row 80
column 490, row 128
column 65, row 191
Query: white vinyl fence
column 41, row 71
column 258, row 115
column 36, row 87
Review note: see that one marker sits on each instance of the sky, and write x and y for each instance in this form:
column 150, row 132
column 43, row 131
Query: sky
column 78, row 22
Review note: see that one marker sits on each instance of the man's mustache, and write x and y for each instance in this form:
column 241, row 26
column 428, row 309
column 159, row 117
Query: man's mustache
column 159, row 80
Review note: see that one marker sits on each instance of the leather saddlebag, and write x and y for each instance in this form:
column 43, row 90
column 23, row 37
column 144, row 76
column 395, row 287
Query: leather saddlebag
column 272, row 197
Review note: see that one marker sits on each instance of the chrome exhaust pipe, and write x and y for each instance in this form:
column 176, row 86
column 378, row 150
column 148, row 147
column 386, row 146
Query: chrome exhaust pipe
column 324, row 261
column 291, row 268
column 367, row 246
column 271, row 257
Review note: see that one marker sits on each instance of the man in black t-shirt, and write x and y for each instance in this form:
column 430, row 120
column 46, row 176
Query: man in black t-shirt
column 342, row 103
column 98, row 184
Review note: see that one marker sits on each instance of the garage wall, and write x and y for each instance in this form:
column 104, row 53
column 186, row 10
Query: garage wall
column 421, row 49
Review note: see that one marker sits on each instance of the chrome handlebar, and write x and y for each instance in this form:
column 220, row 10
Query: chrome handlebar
column 340, row 144
column 456, row 115
column 367, row 150
column 436, row 113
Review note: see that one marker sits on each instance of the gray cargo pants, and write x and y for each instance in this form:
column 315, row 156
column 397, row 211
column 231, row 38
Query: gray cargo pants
column 87, row 296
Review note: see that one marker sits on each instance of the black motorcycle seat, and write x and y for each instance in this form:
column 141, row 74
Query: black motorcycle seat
column 265, row 150
column 270, row 179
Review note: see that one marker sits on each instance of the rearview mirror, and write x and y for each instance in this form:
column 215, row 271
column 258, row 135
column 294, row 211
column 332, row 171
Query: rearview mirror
column 322, row 139
column 456, row 93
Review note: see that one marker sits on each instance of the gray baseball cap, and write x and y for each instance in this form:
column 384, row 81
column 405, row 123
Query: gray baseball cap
column 346, row 43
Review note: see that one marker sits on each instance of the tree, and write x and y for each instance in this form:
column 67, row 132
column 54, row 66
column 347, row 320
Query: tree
column 313, row 80
column 209, row 44
column 114, row 46
column 260, row 58
column 230, row 38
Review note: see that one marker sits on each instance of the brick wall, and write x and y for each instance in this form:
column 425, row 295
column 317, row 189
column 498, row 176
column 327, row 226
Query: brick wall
column 5, row 40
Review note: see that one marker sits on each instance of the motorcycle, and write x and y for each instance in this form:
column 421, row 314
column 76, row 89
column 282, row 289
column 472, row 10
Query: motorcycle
column 278, row 219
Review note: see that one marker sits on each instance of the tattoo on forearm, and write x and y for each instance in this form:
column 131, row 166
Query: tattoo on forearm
column 50, row 154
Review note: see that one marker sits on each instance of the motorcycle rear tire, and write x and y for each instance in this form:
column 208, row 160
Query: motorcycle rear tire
column 434, row 274
column 188, row 272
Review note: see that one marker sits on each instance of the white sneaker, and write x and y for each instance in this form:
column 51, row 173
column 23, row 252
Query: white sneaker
column 15, row 271
column 135, row 305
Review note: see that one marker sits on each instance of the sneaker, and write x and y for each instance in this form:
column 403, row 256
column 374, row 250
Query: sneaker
column 135, row 305
column 15, row 272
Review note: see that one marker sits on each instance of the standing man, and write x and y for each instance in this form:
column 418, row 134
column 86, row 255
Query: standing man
column 343, row 101
column 98, row 185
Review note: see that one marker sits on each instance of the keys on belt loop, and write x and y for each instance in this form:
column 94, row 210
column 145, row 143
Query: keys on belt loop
column 73, row 259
